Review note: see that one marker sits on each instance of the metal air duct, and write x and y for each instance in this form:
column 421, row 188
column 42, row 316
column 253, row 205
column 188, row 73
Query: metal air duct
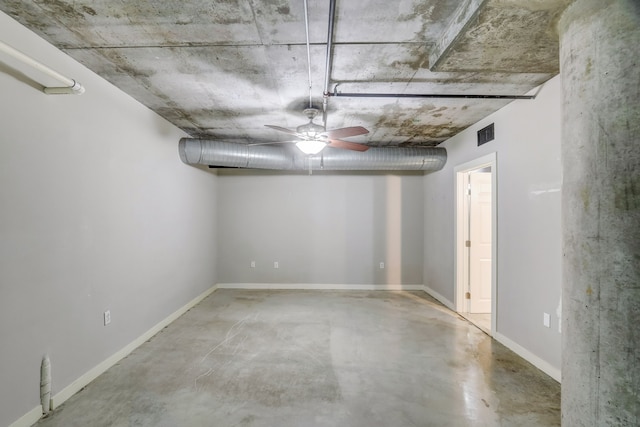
column 228, row 154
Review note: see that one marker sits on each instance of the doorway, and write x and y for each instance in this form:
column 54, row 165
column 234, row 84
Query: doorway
column 475, row 241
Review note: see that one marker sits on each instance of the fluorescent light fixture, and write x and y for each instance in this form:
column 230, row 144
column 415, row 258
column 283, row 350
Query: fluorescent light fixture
column 311, row 147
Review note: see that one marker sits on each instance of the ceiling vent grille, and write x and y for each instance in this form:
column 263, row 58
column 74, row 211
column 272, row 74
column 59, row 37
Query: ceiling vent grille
column 485, row 135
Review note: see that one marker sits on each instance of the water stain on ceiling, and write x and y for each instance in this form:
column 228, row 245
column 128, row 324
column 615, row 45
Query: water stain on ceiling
column 225, row 69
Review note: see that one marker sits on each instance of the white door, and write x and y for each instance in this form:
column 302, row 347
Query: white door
column 480, row 246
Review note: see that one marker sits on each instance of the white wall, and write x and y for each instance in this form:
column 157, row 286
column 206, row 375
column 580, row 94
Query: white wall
column 529, row 177
column 327, row 228
column 96, row 212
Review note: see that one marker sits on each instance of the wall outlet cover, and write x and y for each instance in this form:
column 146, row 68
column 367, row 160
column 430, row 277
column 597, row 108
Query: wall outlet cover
column 546, row 319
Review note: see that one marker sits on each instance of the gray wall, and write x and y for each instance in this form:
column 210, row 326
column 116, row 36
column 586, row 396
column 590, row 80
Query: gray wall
column 97, row 212
column 529, row 177
column 327, row 228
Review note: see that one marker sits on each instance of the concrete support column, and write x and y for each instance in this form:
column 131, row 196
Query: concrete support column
column 600, row 71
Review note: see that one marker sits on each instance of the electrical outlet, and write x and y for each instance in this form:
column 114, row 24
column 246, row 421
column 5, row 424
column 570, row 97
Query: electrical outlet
column 107, row 317
column 546, row 320
column 276, row 264
column 381, row 265
column 253, row 264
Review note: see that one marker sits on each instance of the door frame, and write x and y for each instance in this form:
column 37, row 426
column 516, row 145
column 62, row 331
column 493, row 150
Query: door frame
column 460, row 172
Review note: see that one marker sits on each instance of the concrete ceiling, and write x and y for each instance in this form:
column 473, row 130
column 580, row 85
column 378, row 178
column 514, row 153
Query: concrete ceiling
column 224, row 69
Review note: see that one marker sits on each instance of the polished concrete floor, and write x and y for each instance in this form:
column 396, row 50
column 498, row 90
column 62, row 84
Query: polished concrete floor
column 317, row 358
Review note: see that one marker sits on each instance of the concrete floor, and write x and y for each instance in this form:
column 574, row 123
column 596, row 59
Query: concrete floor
column 317, row 358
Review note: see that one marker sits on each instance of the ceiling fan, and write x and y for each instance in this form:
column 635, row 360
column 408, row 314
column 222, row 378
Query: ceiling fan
column 312, row 137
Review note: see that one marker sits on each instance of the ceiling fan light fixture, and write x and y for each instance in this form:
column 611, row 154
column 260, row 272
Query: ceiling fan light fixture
column 311, row 147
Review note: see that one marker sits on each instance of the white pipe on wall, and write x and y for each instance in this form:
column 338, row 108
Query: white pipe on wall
column 72, row 86
column 45, row 384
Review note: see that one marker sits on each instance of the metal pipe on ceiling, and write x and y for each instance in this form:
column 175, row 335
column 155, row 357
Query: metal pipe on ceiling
column 72, row 86
column 327, row 68
column 424, row 95
column 335, row 93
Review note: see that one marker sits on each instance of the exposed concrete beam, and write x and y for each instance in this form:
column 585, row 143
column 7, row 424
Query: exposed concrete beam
column 466, row 14
column 509, row 36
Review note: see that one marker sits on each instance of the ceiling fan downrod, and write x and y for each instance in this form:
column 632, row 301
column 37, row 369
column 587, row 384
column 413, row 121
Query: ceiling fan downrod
column 306, row 27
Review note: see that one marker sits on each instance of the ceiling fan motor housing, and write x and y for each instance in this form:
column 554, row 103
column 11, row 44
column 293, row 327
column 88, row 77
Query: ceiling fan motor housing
column 311, row 129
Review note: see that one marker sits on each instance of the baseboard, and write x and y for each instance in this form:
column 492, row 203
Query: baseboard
column 439, row 297
column 544, row 366
column 28, row 419
column 318, row 286
column 92, row 374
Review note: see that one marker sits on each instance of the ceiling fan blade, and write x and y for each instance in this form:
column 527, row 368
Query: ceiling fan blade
column 346, row 132
column 281, row 129
column 338, row 143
